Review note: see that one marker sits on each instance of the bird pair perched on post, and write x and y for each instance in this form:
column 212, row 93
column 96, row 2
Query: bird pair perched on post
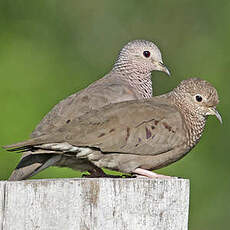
column 115, row 123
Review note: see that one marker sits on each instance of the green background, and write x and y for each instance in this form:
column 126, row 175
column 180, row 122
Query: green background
column 51, row 49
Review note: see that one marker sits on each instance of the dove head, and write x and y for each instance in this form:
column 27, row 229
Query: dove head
column 140, row 56
column 198, row 96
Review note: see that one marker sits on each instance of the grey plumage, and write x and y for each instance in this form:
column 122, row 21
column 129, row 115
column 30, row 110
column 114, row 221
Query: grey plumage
column 133, row 136
column 129, row 79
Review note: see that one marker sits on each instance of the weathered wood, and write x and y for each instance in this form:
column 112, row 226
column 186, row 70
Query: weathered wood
column 2, row 195
column 95, row 204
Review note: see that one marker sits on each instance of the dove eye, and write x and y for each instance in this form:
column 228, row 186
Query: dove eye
column 198, row 98
column 146, row 54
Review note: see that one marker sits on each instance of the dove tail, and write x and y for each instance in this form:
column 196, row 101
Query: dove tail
column 31, row 164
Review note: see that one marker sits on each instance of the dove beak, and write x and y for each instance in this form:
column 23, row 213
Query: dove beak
column 213, row 111
column 160, row 66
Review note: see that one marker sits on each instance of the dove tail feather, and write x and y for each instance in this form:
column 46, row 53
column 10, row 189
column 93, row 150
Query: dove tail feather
column 20, row 149
column 33, row 164
column 31, row 142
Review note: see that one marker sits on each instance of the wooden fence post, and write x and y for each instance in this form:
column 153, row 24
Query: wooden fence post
column 95, row 204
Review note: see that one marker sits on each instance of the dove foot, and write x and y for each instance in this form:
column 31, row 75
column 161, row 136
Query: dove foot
column 95, row 173
column 98, row 176
column 98, row 172
column 143, row 173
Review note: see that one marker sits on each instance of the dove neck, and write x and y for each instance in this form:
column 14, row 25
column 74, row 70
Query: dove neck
column 194, row 122
column 139, row 81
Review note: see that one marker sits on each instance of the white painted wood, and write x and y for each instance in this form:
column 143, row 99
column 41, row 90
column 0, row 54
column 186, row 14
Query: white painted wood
column 2, row 185
column 96, row 204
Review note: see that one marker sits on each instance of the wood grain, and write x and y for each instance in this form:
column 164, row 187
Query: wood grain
column 95, row 204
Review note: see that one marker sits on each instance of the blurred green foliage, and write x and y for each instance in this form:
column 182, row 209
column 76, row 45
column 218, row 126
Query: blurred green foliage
column 51, row 49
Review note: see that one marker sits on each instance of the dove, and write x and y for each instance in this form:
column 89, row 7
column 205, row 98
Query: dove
column 135, row 136
column 129, row 79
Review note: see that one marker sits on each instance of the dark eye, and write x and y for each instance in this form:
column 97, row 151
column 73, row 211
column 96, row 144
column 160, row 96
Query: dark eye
column 199, row 98
column 146, row 54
